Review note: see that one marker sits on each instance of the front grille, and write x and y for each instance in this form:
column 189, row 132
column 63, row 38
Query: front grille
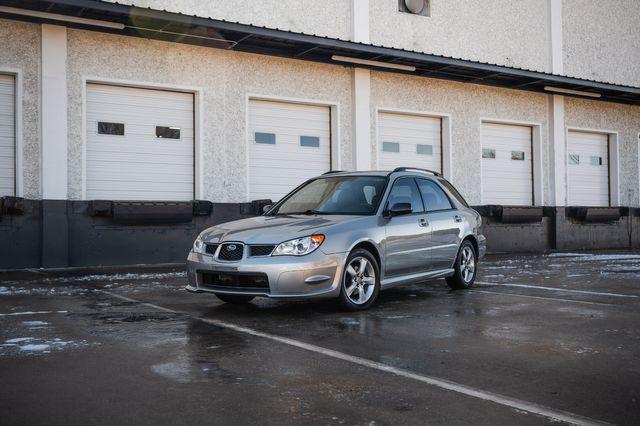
column 238, row 281
column 211, row 248
column 231, row 251
column 262, row 250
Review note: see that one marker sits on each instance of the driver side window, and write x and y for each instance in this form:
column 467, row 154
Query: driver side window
column 405, row 190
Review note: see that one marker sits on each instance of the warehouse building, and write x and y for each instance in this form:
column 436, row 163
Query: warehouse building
column 125, row 128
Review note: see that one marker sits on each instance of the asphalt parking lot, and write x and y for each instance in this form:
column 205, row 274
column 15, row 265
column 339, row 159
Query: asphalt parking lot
column 540, row 339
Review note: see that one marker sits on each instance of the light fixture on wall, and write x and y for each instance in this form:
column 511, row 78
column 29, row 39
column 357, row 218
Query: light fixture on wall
column 572, row 92
column 367, row 62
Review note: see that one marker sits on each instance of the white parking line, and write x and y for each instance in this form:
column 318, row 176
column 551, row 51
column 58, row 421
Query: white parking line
column 543, row 298
column 549, row 413
column 538, row 287
column 32, row 313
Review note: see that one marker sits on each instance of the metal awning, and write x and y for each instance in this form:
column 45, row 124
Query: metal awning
column 97, row 15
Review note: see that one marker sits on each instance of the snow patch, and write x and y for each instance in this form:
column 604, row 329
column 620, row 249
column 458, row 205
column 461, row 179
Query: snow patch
column 34, row 323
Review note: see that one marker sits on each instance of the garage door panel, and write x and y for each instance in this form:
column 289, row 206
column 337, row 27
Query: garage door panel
column 587, row 183
column 505, row 180
column 7, row 135
column 275, row 169
column 138, row 165
column 405, row 132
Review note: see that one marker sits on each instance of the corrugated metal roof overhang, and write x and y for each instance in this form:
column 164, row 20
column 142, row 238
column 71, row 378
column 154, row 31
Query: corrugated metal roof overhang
column 180, row 28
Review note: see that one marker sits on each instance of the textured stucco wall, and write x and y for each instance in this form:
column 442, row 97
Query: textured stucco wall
column 503, row 32
column 330, row 18
column 225, row 79
column 21, row 51
column 601, row 40
column 467, row 104
column 625, row 120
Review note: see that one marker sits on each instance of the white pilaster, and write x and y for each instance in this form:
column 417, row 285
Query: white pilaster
column 361, row 91
column 361, row 123
column 360, row 20
column 555, row 36
column 557, row 151
column 557, row 133
column 54, row 112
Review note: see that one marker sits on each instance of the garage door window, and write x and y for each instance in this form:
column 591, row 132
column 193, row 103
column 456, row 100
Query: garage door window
column 574, row 159
column 390, row 147
column 424, row 149
column 105, row 128
column 310, row 141
column 596, row 161
column 517, row 155
column 164, row 132
column 488, row 153
column 265, row 138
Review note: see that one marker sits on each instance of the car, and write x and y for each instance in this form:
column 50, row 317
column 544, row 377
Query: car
column 343, row 235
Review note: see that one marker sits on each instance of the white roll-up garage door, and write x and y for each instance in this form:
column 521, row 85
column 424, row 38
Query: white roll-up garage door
column 507, row 165
column 7, row 135
column 288, row 144
column 409, row 141
column 588, row 169
column 139, row 144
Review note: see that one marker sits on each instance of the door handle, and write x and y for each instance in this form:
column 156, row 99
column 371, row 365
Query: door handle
column 423, row 222
column 457, row 218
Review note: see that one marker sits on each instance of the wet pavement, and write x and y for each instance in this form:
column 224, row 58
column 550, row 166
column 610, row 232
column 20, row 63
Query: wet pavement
column 540, row 339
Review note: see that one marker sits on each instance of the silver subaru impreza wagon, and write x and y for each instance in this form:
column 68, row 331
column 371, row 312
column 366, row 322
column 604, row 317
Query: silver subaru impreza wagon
column 344, row 235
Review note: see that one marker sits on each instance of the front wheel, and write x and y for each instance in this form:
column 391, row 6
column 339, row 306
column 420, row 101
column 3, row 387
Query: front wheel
column 360, row 281
column 465, row 267
column 236, row 299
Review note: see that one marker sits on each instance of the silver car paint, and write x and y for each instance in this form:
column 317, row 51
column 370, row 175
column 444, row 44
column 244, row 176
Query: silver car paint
column 412, row 247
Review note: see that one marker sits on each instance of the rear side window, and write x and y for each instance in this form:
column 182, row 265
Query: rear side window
column 434, row 197
column 453, row 191
column 405, row 191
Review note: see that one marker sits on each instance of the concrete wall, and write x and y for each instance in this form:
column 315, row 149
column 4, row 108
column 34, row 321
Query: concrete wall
column 467, row 104
column 503, row 32
column 327, row 17
column 623, row 119
column 601, row 40
column 21, row 52
column 225, row 79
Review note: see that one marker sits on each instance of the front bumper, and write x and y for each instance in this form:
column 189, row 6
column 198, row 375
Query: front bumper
column 315, row 275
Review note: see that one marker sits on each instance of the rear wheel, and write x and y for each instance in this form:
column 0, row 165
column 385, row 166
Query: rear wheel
column 360, row 281
column 465, row 267
column 236, row 299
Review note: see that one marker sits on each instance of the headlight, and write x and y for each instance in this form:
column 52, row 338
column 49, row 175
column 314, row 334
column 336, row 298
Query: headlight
column 198, row 245
column 299, row 246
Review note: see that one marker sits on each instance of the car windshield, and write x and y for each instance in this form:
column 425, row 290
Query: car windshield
column 352, row 195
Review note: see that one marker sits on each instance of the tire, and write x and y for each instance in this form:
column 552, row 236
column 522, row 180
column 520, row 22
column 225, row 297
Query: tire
column 359, row 289
column 236, row 299
column 466, row 267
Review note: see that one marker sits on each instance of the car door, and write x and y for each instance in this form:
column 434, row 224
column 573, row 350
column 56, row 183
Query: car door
column 445, row 222
column 406, row 239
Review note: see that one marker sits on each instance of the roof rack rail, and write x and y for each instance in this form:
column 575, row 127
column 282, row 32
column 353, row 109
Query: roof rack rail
column 330, row 172
column 404, row 169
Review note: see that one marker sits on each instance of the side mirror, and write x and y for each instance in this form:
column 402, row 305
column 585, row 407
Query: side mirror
column 399, row 209
column 266, row 208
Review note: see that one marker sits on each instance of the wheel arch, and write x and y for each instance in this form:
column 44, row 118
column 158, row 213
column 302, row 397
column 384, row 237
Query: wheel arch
column 473, row 241
column 370, row 247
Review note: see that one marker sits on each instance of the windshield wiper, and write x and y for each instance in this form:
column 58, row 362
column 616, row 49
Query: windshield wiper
column 311, row 211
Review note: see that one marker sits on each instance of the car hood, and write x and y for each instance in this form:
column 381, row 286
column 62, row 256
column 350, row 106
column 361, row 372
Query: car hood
column 272, row 229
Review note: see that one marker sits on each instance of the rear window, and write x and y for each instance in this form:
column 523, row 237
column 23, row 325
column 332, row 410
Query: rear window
column 454, row 192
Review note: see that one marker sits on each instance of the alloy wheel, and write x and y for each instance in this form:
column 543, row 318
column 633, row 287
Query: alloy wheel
column 467, row 264
column 360, row 280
